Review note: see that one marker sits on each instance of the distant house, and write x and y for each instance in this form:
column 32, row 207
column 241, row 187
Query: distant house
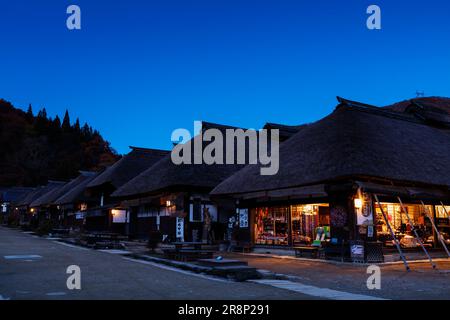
column 55, row 202
column 73, row 204
column 173, row 198
column 107, row 214
column 331, row 170
column 43, row 207
column 28, row 215
column 8, row 198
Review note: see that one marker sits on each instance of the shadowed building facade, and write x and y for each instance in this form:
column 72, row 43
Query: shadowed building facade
column 173, row 198
column 108, row 214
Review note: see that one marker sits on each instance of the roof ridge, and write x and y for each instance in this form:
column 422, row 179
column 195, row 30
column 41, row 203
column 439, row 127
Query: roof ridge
column 86, row 172
column 218, row 125
column 285, row 125
column 55, row 181
column 133, row 148
column 359, row 106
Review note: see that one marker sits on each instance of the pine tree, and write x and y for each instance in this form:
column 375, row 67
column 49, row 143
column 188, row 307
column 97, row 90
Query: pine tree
column 76, row 126
column 38, row 150
column 42, row 114
column 30, row 112
column 57, row 122
column 41, row 121
column 66, row 121
column 85, row 132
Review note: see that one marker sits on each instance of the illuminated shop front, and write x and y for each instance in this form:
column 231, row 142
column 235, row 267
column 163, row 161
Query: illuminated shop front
column 413, row 221
column 398, row 220
column 289, row 225
column 420, row 216
column 443, row 221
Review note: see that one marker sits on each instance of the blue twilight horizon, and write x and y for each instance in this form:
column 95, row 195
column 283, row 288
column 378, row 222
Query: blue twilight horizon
column 137, row 70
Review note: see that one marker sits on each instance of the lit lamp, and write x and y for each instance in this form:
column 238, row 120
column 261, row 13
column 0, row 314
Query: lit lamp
column 32, row 210
column 358, row 203
column 168, row 203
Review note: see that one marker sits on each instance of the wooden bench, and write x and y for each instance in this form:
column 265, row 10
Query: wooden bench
column 310, row 251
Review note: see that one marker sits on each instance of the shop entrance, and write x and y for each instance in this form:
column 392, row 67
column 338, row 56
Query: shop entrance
column 272, row 225
column 443, row 222
column 291, row 225
column 399, row 223
column 305, row 221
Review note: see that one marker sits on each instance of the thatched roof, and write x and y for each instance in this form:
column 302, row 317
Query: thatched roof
column 76, row 188
column 53, row 194
column 436, row 104
column 165, row 174
column 356, row 140
column 129, row 166
column 432, row 110
column 29, row 197
column 38, row 192
column 285, row 131
column 14, row 194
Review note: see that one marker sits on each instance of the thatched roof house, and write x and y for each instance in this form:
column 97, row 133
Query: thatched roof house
column 38, row 192
column 8, row 198
column 15, row 194
column 356, row 141
column 166, row 194
column 101, row 215
column 165, row 175
column 338, row 174
column 47, row 198
column 129, row 166
column 29, row 197
column 76, row 189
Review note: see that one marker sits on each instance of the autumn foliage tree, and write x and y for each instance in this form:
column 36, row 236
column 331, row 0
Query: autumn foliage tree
column 37, row 148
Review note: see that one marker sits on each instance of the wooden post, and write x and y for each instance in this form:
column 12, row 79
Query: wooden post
column 435, row 229
column 413, row 229
column 397, row 244
column 289, row 222
column 435, row 235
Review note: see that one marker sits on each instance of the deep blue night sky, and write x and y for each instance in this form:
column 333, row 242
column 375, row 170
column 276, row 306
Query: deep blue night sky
column 139, row 69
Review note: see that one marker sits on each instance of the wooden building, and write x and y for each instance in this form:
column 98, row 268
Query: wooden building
column 331, row 170
column 173, row 198
column 107, row 214
column 28, row 215
column 9, row 197
column 44, row 208
column 73, row 204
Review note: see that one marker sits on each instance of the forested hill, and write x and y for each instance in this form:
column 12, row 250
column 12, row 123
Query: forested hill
column 35, row 148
